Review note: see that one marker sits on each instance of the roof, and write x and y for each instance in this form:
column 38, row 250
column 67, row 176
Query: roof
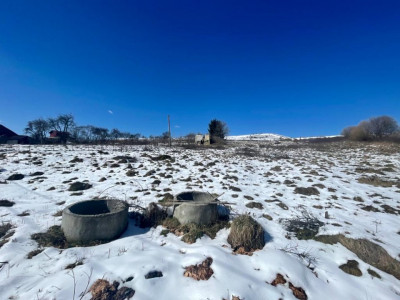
column 4, row 131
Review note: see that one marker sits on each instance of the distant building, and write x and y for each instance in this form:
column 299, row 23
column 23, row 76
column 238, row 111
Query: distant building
column 202, row 139
column 60, row 136
column 8, row 136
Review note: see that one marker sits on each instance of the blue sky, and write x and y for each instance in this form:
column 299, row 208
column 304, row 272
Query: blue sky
column 297, row 68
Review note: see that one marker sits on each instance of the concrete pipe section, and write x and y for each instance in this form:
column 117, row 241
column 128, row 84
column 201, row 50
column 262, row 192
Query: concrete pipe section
column 94, row 220
column 196, row 207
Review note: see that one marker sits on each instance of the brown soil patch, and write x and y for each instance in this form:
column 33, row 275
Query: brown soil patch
column 201, row 271
column 298, row 292
column 103, row 290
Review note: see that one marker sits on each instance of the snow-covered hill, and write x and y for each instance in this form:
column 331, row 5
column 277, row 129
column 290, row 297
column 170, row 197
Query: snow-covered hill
column 257, row 137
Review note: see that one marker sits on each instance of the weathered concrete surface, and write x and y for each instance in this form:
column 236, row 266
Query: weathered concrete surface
column 196, row 207
column 94, row 220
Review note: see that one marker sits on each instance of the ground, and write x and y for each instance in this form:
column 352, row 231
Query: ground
column 351, row 188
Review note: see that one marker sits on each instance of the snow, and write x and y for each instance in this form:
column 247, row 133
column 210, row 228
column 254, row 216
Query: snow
column 139, row 251
column 257, row 137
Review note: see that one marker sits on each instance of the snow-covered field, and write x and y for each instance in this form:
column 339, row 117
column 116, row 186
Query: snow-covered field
column 264, row 173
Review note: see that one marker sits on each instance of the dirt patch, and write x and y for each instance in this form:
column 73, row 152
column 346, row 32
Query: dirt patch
column 373, row 273
column 268, row 217
column 234, row 188
column 254, row 204
column 37, row 174
column 390, row 210
column 16, row 177
column 162, row 157
column 351, row 267
column 4, row 228
column 74, row 265
column 6, row 203
column 298, row 292
column 376, row 181
column 367, row 251
column 33, row 253
column 131, row 173
column 79, row 186
column 76, row 160
column 103, row 290
column 201, row 271
column 308, row 191
column 24, row 214
column 5, row 233
column 246, row 233
column 153, row 274
column 278, row 280
column 370, row 208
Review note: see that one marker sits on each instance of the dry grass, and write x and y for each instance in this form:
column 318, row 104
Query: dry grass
column 308, row 191
column 246, row 233
column 366, row 250
column 376, row 181
column 351, row 267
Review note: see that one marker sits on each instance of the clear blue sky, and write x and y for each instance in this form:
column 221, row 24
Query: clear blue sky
column 297, row 68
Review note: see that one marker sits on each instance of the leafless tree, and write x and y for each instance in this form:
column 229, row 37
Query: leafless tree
column 380, row 127
column 37, row 129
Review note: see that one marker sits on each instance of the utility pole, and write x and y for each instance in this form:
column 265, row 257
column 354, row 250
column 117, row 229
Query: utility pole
column 169, row 130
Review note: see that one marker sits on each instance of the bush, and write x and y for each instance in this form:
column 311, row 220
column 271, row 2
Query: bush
column 378, row 128
column 218, row 130
column 304, row 226
column 246, row 233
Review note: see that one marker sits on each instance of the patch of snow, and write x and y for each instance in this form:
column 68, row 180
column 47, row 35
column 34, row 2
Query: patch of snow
column 257, row 137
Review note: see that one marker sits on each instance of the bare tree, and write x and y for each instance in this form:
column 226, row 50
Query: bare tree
column 373, row 129
column 37, row 129
column 100, row 134
column 116, row 134
column 380, row 127
column 62, row 123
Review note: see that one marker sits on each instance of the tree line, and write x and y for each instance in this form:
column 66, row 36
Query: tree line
column 67, row 129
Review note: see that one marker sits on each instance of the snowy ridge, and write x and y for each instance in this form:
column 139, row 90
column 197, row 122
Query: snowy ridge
column 257, row 137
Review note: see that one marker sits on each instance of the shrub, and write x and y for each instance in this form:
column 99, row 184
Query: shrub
column 217, row 130
column 246, row 233
column 304, row 226
column 378, row 128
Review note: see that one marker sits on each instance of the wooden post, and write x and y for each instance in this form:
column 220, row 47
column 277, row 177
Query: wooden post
column 169, row 131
